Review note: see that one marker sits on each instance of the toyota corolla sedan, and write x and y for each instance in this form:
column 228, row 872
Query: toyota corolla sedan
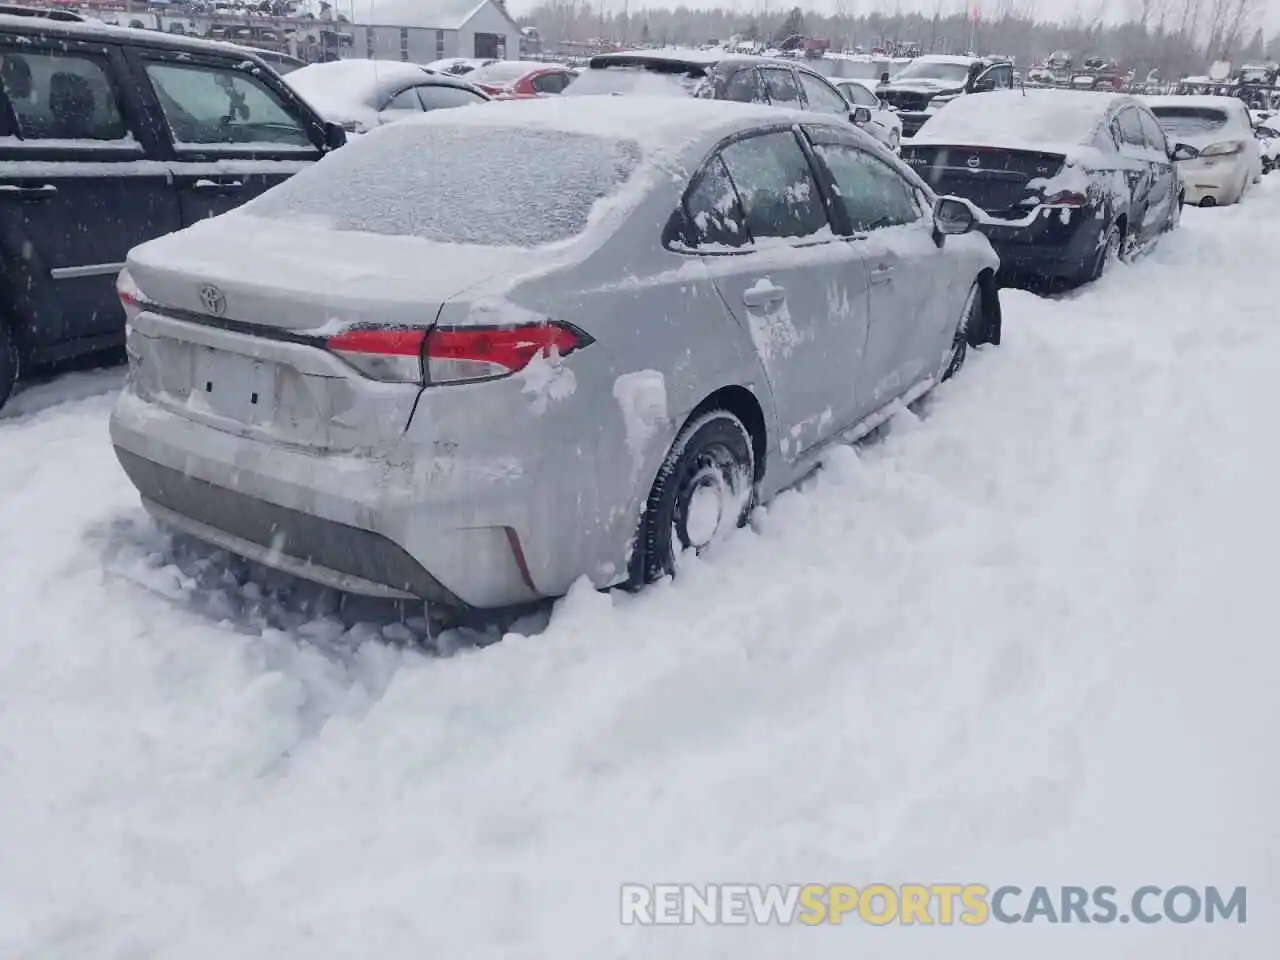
column 476, row 356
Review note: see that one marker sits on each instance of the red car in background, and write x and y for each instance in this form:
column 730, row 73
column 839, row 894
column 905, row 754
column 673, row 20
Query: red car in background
column 513, row 79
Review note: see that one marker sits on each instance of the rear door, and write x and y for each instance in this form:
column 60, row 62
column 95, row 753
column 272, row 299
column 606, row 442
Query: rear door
column 1164, row 177
column 916, row 293
column 781, row 87
column 1131, row 143
column 77, row 190
column 798, row 291
column 233, row 129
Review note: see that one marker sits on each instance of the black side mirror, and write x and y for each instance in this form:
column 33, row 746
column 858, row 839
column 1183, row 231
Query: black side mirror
column 1183, row 151
column 860, row 116
column 884, row 78
column 953, row 216
column 334, row 135
column 985, row 85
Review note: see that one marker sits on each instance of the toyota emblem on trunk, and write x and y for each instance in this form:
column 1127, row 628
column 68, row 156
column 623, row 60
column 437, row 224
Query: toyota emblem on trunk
column 975, row 161
column 214, row 300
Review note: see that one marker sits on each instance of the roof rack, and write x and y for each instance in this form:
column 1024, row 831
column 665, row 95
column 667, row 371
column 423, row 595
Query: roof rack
column 14, row 10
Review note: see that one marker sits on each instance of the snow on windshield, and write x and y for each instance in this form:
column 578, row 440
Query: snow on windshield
column 639, row 81
column 504, row 72
column 488, row 185
column 932, row 70
column 1190, row 121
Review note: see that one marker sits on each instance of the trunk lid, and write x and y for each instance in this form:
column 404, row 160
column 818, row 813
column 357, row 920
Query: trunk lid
column 996, row 180
column 234, row 335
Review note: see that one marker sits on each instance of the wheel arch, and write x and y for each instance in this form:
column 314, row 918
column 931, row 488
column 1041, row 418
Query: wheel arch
column 993, row 320
column 744, row 405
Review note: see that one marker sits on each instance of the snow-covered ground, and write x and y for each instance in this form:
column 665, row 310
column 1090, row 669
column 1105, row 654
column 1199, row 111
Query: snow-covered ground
column 1028, row 639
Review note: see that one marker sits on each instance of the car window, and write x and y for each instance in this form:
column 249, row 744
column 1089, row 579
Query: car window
column 1002, row 77
column 780, row 87
column 207, row 105
column 860, row 95
column 549, row 83
column 436, row 97
column 1152, row 133
column 872, row 193
column 61, row 96
column 406, row 100
column 779, row 195
column 712, row 208
column 744, row 87
column 821, row 97
column 1131, row 128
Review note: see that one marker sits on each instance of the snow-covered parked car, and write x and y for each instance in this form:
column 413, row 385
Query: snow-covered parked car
column 885, row 124
column 928, row 84
column 1268, row 134
column 364, row 94
column 1229, row 161
column 476, row 356
column 1070, row 181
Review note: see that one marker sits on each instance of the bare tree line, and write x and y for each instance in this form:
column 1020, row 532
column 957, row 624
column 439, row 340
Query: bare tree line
column 1177, row 37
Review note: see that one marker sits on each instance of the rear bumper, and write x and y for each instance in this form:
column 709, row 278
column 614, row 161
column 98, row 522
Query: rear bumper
column 1060, row 243
column 1221, row 181
column 361, row 523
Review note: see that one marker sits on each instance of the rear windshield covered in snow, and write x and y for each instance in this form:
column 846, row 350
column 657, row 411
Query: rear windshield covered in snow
column 1189, row 121
column 486, row 185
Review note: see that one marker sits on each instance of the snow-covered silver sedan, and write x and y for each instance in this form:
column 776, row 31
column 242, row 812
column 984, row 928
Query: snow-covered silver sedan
column 474, row 357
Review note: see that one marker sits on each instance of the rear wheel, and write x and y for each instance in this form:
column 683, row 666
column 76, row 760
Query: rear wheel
column 704, row 490
column 9, row 364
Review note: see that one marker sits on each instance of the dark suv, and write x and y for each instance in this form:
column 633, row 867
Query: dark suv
column 715, row 75
column 927, row 84
column 110, row 137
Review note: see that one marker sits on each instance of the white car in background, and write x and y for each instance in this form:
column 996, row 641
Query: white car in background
column 1230, row 159
column 362, row 95
column 885, row 124
column 1268, row 134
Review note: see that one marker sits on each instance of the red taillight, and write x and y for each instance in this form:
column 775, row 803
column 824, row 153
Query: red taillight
column 131, row 298
column 459, row 354
column 1066, row 198
column 394, row 356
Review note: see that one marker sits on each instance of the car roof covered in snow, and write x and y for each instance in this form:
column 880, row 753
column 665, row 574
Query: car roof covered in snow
column 655, row 124
column 1061, row 121
column 363, row 83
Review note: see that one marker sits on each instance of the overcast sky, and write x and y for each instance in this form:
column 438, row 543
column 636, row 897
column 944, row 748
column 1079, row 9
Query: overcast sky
column 1117, row 10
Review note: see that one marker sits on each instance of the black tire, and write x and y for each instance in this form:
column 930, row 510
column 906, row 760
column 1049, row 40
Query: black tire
column 712, row 454
column 9, row 362
column 970, row 321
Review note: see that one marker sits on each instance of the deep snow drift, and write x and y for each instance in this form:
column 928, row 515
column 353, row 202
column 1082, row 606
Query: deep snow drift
column 1028, row 639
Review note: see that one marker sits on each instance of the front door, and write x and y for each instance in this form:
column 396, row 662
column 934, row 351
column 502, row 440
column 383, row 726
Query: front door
column 76, row 191
column 233, row 134
column 916, row 302
column 797, row 290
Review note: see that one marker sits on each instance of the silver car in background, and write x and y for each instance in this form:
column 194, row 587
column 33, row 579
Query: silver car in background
column 476, row 356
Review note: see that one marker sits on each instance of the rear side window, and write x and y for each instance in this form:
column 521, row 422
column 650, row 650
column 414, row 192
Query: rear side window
column 780, row 85
column 406, row 101
column 62, row 96
column 550, row 83
column 215, row 106
column 492, row 186
column 744, row 87
column 435, row 98
column 712, row 207
column 779, row 194
column 821, row 97
column 872, row 194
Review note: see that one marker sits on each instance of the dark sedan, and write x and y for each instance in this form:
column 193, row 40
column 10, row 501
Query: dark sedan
column 1070, row 181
